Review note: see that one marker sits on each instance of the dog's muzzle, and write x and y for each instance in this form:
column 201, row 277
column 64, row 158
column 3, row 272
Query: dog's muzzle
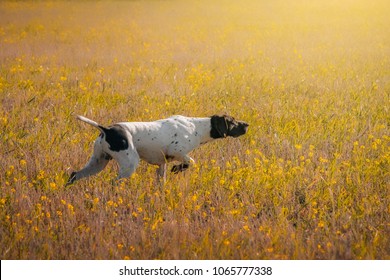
column 240, row 129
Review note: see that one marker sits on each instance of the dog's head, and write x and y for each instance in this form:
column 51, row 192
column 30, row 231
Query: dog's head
column 224, row 126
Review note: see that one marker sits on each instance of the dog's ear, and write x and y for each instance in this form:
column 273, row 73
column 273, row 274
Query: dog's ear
column 219, row 126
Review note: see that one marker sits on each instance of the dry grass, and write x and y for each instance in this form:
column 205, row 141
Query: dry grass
column 309, row 181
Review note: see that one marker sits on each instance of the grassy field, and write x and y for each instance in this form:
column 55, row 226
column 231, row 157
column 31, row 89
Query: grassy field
column 310, row 180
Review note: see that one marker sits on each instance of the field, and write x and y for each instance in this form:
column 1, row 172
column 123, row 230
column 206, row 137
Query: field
column 310, row 179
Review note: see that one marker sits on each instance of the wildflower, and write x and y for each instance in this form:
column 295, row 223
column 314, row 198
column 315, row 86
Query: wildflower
column 10, row 170
column 323, row 160
column 53, row 186
column 4, row 120
column 298, row 147
column 41, row 175
column 261, row 228
column 246, row 228
column 71, row 208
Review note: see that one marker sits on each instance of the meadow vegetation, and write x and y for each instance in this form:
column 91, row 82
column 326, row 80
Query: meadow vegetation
column 310, row 180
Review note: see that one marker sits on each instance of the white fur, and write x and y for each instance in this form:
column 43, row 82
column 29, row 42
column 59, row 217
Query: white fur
column 156, row 142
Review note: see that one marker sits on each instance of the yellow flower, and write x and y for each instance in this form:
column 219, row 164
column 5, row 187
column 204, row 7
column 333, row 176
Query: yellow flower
column 41, row 175
column 71, row 208
column 298, row 147
column 323, row 160
column 53, row 186
column 246, row 228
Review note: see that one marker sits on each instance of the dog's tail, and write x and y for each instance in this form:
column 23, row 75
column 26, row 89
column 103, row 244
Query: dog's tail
column 93, row 123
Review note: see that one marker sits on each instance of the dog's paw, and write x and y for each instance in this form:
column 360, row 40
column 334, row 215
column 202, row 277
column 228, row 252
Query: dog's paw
column 180, row 168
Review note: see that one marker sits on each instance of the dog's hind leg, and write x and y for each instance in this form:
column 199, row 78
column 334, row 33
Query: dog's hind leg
column 128, row 161
column 96, row 164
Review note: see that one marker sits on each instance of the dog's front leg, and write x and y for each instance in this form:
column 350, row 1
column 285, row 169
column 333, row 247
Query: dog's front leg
column 161, row 173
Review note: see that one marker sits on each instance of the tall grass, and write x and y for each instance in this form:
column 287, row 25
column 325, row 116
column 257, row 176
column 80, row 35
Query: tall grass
column 310, row 180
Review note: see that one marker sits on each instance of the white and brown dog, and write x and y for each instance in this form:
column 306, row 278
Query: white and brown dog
column 156, row 142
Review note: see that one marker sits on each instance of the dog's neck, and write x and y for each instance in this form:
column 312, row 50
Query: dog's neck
column 202, row 129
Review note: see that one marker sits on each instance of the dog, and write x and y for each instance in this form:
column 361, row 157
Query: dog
column 157, row 142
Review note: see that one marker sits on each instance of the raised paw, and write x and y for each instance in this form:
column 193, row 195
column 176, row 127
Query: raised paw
column 180, row 168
